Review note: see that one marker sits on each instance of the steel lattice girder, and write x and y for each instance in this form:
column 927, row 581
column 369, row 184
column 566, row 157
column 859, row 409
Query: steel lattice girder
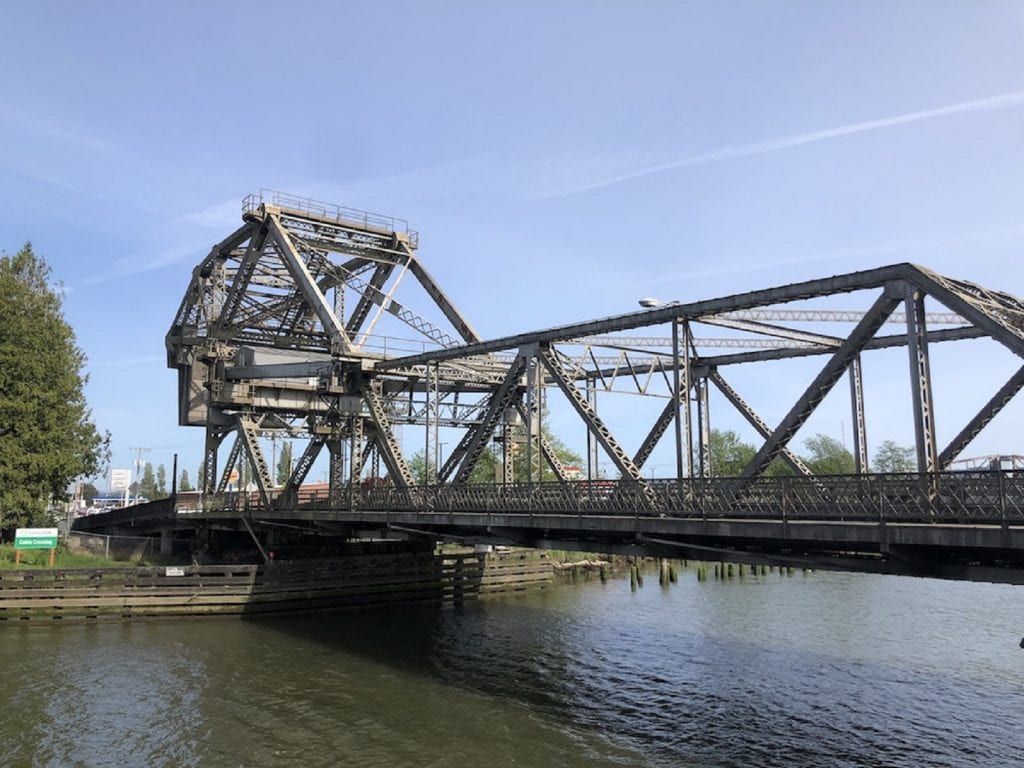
column 256, row 334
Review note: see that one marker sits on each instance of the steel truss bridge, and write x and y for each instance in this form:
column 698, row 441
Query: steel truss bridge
column 301, row 325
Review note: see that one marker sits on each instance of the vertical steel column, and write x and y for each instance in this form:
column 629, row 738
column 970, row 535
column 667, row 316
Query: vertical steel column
column 339, row 301
column 860, row 439
column 687, row 384
column 704, row 426
column 336, row 471
column 532, row 372
column 921, row 382
column 592, row 459
column 375, row 463
column 426, row 428
column 356, row 455
column 676, row 396
column 540, row 423
column 507, row 457
column 437, row 424
column 214, row 438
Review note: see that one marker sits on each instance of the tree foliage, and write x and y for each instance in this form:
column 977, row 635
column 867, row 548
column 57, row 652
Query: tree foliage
column 147, row 484
column 284, row 463
column 89, row 492
column 729, row 454
column 891, row 457
column 161, row 482
column 489, row 466
column 183, row 483
column 825, row 456
column 828, row 456
column 523, row 456
column 47, row 435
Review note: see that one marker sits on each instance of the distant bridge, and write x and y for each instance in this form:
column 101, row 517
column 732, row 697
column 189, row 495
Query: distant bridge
column 296, row 326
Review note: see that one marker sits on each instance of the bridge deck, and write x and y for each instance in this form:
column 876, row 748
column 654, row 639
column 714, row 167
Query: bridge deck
column 946, row 524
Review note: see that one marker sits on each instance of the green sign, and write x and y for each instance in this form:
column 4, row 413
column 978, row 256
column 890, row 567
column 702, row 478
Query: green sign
column 35, row 538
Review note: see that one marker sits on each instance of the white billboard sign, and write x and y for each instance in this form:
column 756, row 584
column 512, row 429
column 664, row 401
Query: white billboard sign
column 120, row 479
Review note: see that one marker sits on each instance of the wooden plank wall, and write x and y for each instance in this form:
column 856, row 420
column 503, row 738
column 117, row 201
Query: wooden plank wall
column 85, row 594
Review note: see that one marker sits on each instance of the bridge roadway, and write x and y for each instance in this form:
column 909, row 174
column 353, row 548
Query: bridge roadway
column 954, row 525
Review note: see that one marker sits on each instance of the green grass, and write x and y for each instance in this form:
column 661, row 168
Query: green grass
column 40, row 558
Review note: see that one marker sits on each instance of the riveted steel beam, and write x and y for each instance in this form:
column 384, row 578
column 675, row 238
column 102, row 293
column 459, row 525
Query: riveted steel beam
column 501, row 400
column 755, row 421
column 594, row 423
column 981, row 419
column 249, row 437
column 307, row 286
column 240, row 283
column 229, row 465
column 860, row 438
column 359, row 314
column 390, row 450
column 356, row 456
column 547, row 451
column 825, row 380
column 921, row 382
column 304, row 464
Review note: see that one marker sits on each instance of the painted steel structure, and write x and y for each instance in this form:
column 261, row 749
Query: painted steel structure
column 275, row 336
column 287, row 329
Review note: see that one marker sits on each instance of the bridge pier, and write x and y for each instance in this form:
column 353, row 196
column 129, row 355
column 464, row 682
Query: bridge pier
column 166, row 540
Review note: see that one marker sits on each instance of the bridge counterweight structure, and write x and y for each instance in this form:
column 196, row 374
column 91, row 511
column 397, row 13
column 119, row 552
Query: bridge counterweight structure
column 288, row 328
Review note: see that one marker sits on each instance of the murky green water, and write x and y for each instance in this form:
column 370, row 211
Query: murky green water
column 822, row 670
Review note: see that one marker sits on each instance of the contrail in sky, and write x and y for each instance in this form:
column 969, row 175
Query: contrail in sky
column 1001, row 101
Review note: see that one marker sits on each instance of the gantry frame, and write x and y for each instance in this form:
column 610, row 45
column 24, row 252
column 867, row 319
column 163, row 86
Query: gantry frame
column 266, row 342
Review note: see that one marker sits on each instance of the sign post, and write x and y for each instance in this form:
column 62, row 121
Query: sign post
column 35, row 538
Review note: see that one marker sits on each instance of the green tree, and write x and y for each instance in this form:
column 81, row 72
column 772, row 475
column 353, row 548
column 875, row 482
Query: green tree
column 147, row 485
column 47, row 435
column 521, row 455
column 183, row 484
column 161, row 482
column 488, row 466
column 827, row 456
column 284, row 463
column 201, row 475
column 891, row 457
column 729, row 454
column 421, row 469
column 89, row 492
column 487, row 469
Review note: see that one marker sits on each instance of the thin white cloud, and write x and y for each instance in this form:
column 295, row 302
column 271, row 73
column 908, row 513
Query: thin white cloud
column 903, row 248
column 208, row 226
column 224, row 215
column 15, row 116
column 138, row 264
column 730, row 152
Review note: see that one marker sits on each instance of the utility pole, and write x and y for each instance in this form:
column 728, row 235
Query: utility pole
column 138, row 472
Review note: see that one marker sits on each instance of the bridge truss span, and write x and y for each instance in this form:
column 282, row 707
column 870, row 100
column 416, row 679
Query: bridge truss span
column 321, row 324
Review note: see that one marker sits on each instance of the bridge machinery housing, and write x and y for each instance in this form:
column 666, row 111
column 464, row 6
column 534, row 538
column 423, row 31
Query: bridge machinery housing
column 301, row 324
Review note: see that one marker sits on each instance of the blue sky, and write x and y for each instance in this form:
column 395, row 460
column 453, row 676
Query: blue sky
column 559, row 159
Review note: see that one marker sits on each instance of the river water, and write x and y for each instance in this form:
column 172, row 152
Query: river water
column 815, row 670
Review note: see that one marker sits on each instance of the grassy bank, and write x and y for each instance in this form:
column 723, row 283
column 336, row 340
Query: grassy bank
column 40, row 558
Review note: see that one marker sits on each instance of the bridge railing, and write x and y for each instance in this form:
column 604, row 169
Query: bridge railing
column 994, row 496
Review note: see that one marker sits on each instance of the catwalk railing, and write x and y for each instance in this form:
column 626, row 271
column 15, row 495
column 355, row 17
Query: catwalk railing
column 993, row 498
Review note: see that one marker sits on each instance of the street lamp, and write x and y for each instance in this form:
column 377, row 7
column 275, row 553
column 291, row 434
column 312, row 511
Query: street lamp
column 650, row 303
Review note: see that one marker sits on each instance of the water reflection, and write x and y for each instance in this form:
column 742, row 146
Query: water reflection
column 828, row 669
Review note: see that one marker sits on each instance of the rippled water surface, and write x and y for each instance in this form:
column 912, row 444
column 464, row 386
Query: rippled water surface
column 818, row 670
